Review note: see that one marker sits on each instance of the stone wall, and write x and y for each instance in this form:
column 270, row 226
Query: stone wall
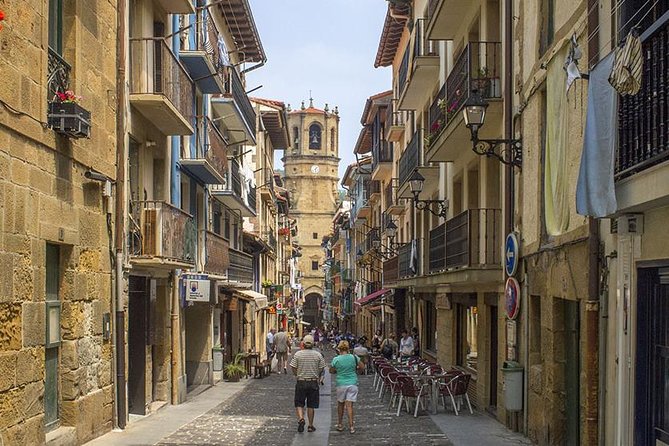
column 45, row 198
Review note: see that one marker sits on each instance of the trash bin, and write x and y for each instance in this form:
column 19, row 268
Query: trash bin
column 513, row 386
column 217, row 354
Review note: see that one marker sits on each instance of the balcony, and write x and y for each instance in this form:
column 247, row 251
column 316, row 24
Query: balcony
column 411, row 157
column 372, row 235
column 67, row 118
column 472, row 240
column 422, row 69
column 177, row 6
column 643, row 133
column 269, row 238
column 207, row 160
column 445, row 18
column 479, row 67
column 235, row 110
column 361, row 207
column 392, row 201
column 374, row 190
column 201, row 55
column 240, row 269
column 160, row 88
column 161, row 235
column 382, row 159
column 217, row 254
column 236, row 192
column 390, row 271
column 408, row 264
column 394, row 122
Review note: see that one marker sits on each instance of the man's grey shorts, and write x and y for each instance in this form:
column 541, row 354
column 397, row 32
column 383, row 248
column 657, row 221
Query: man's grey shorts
column 347, row 393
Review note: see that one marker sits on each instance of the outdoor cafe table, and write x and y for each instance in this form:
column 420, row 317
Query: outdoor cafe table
column 433, row 381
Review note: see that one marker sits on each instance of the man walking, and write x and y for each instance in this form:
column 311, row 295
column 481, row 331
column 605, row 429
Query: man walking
column 308, row 365
column 282, row 347
column 269, row 344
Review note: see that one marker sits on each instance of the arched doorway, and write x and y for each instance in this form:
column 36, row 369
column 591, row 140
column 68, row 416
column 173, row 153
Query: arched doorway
column 312, row 310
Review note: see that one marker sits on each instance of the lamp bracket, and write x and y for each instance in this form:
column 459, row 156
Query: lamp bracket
column 507, row 151
column 427, row 205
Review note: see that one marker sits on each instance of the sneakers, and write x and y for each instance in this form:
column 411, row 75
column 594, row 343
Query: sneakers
column 300, row 425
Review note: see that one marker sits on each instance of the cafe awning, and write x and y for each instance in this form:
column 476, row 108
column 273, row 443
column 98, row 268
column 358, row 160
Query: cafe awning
column 373, row 296
column 259, row 298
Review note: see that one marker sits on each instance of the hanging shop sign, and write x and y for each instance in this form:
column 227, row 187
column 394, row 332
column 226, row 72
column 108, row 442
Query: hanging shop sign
column 511, row 254
column 271, row 309
column 197, row 287
column 512, row 298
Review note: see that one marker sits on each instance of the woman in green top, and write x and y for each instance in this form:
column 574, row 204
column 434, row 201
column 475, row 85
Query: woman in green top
column 345, row 365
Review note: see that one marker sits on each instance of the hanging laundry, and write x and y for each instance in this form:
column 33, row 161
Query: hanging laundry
column 595, row 190
column 571, row 62
column 626, row 72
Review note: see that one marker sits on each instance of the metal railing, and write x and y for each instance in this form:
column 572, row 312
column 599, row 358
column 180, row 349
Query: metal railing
column 217, row 255
column 241, row 267
column 382, row 152
column 58, row 74
column 437, row 115
column 437, row 254
column 161, row 230
column 391, row 193
column 394, row 117
column 408, row 266
column 422, row 46
column 411, row 157
column 403, row 71
column 643, row 132
column 234, row 87
column 391, row 270
column 374, row 187
column 154, row 69
column 206, row 39
column 473, row 239
column 431, row 8
column 252, row 200
column 372, row 287
column 372, row 234
column 479, row 67
column 211, row 145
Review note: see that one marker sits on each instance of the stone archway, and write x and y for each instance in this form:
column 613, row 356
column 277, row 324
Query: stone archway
column 312, row 310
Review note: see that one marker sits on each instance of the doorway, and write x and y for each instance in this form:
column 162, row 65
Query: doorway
column 651, row 425
column 138, row 306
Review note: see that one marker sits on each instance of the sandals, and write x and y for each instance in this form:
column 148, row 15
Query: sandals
column 300, row 425
column 311, row 429
column 353, row 429
column 340, row 428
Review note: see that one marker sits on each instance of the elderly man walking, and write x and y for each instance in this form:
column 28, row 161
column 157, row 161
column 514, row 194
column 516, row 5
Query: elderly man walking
column 307, row 365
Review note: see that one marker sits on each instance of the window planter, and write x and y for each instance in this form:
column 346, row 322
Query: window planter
column 70, row 119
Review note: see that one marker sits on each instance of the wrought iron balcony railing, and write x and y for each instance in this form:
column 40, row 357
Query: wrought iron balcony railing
column 217, row 253
column 437, row 113
column 241, row 267
column 472, row 239
column 234, row 87
column 409, row 259
column 154, row 69
column 643, row 119
column 253, row 201
column 382, row 152
column 372, row 234
column 403, row 72
column 160, row 230
column 58, row 75
column 411, row 157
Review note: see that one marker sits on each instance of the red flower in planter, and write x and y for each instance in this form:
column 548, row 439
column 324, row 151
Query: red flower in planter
column 2, row 17
column 68, row 96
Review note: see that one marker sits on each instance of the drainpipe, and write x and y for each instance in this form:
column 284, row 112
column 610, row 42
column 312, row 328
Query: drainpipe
column 119, row 323
column 591, row 356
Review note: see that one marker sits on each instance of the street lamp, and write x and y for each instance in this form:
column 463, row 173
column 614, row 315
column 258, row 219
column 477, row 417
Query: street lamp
column 474, row 115
column 416, row 182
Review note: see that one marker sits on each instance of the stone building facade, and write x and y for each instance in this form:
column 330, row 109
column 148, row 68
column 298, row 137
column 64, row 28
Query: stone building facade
column 311, row 176
column 56, row 222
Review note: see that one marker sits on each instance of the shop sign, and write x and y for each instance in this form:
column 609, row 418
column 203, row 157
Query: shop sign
column 271, row 309
column 512, row 298
column 197, row 287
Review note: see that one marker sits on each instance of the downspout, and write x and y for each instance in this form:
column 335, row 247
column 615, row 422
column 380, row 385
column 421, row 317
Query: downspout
column 591, row 366
column 119, row 323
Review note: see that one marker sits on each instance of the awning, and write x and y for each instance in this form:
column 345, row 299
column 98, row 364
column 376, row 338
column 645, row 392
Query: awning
column 370, row 297
column 259, row 298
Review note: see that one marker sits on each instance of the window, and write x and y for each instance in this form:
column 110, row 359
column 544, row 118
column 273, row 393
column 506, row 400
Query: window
column 314, row 265
column 547, row 20
column 332, row 139
column 315, row 235
column 56, row 26
column 296, row 137
column 315, row 136
column 226, row 225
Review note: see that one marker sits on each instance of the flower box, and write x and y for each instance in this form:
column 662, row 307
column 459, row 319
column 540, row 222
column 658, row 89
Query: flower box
column 70, row 119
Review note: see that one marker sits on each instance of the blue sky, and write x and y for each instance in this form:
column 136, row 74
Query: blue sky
column 327, row 47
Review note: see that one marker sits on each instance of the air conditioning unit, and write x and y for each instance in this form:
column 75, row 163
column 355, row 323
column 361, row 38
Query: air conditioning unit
column 627, row 224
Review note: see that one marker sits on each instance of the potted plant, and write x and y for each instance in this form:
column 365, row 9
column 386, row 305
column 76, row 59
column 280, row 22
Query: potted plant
column 267, row 283
column 233, row 371
column 68, row 117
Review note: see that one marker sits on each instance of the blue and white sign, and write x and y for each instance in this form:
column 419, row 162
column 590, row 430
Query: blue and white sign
column 511, row 254
column 197, row 287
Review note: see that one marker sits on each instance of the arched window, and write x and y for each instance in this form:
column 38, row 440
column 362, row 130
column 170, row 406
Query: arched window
column 296, row 137
column 314, row 136
column 332, row 139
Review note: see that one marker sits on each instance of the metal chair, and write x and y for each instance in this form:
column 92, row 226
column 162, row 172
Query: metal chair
column 454, row 388
column 410, row 388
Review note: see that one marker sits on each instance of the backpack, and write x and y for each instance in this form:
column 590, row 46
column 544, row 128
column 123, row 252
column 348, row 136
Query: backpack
column 387, row 350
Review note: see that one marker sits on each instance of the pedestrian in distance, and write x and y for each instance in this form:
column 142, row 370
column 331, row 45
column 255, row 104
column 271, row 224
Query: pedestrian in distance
column 406, row 345
column 389, row 347
column 345, row 365
column 269, row 344
column 308, row 365
column 282, row 348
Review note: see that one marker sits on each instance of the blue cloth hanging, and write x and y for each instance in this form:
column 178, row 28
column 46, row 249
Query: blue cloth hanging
column 595, row 190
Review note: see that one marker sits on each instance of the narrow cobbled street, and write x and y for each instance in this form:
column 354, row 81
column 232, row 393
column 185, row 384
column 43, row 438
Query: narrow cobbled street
column 261, row 412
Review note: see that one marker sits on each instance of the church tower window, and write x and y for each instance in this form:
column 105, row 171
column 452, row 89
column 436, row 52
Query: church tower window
column 296, row 137
column 332, row 139
column 315, row 136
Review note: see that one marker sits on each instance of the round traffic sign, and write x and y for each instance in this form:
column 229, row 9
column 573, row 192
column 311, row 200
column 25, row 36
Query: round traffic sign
column 511, row 253
column 512, row 298
column 279, row 306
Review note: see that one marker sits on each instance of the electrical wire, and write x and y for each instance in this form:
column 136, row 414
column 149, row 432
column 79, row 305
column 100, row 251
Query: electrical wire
column 20, row 113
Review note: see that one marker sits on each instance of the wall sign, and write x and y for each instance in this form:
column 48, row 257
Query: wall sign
column 512, row 298
column 511, row 253
column 197, row 287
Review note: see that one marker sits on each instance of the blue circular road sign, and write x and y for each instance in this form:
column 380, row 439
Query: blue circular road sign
column 511, row 254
